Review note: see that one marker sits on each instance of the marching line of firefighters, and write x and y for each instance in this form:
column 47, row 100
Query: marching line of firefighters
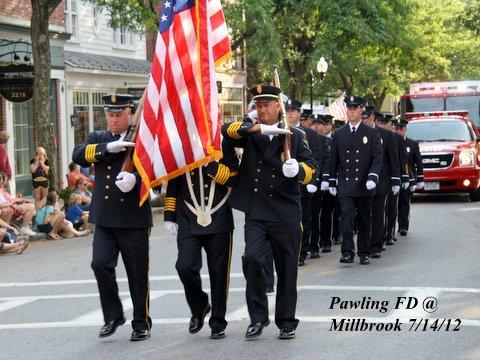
column 301, row 188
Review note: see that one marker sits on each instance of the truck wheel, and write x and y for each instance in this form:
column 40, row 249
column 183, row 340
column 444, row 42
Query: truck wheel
column 475, row 196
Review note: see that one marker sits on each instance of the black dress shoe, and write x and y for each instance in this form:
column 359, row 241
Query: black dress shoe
column 301, row 262
column 139, row 335
column 269, row 289
column 326, row 249
column 403, row 232
column 364, row 260
column 255, row 330
column 314, row 255
column 217, row 334
column 384, row 248
column 196, row 322
column 110, row 328
column 346, row 259
column 376, row 255
column 286, row 333
column 390, row 242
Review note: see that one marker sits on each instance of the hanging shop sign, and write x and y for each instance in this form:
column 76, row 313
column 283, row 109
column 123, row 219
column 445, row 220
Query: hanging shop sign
column 16, row 82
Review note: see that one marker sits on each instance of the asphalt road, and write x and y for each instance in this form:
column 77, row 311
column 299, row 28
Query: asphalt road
column 49, row 306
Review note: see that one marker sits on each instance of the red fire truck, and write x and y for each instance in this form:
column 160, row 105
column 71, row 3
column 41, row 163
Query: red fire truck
column 443, row 118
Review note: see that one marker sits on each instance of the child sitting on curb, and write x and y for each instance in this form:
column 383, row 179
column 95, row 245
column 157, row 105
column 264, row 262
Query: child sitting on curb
column 75, row 213
column 51, row 220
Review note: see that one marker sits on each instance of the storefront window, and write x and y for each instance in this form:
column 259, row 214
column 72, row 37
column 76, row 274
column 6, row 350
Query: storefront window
column 99, row 122
column 89, row 110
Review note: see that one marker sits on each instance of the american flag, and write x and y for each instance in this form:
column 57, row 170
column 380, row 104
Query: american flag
column 180, row 124
column 338, row 109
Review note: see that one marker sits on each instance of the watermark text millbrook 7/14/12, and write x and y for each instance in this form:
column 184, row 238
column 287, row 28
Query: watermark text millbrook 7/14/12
column 420, row 308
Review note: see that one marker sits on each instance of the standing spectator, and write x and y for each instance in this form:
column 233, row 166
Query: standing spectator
column 75, row 174
column 85, row 195
column 39, row 167
column 4, row 163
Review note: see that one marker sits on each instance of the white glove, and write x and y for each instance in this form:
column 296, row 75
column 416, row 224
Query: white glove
column 290, row 167
column 395, row 189
column 311, row 188
column 171, row 227
column 118, row 146
column 272, row 130
column 420, row 185
column 405, row 185
column 253, row 115
column 126, row 181
column 371, row 185
column 332, row 191
column 324, row 186
column 413, row 188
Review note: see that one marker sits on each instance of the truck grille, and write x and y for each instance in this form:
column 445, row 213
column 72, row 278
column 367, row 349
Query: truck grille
column 437, row 160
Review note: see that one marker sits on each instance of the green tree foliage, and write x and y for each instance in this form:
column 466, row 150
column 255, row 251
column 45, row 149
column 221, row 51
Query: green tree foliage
column 375, row 48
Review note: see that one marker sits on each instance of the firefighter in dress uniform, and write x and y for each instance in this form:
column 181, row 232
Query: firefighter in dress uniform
column 385, row 121
column 197, row 210
column 268, row 192
column 417, row 179
column 389, row 182
column 321, row 215
column 296, row 118
column 122, row 225
column 356, row 162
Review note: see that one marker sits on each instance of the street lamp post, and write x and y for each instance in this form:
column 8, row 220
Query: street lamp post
column 322, row 67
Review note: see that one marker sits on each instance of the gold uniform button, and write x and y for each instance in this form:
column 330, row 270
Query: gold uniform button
column 192, row 173
column 107, row 187
column 122, row 200
column 271, row 186
column 260, row 161
column 206, row 198
column 109, row 167
column 106, row 197
column 108, row 176
column 348, row 160
column 270, row 195
column 358, row 151
column 273, row 176
column 256, row 180
column 258, row 170
column 206, row 186
column 346, row 179
column 356, row 179
column 255, row 189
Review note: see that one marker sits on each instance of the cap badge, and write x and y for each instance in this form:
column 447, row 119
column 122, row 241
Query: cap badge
column 365, row 140
column 259, row 89
column 289, row 102
column 352, row 99
column 113, row 99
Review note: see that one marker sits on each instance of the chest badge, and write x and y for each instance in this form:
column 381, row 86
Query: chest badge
column 381, row 141
column 408, row 149
column 282, row 157
column 365, row 140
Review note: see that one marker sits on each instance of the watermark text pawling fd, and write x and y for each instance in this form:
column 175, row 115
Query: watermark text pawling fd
column 404, row 304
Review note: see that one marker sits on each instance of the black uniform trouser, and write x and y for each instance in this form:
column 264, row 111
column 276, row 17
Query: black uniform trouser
column 316, row 208
column 285, row 239
column 327, row 222
column 336, row 216
column 404, row 209
column 391, row 219
column 218, row 248
column 363, row 207
column 378, row 222
column 307, row 224
column 133, row 245
column 269, row 269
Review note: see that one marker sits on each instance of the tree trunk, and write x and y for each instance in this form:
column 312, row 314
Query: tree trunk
column 43, row 124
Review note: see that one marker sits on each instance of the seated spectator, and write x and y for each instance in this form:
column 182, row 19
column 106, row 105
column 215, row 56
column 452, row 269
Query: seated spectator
column 75, row 214
column 89, row 172
column 75, row 174
column 86, row 196
column 6, row 246
column 51, row 220
column 17, row 208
